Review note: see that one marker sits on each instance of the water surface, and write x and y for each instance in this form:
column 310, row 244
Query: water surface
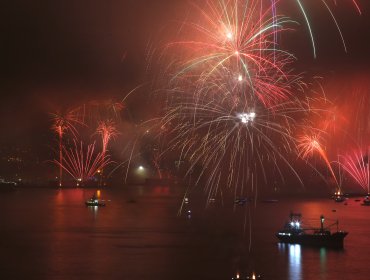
column 51, row 234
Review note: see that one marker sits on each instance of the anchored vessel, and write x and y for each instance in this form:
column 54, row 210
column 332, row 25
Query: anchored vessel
column 293, row 232
column 240, row 201
column 339, row 197
column 94, row 201
column 366, row 201
column 7, row 186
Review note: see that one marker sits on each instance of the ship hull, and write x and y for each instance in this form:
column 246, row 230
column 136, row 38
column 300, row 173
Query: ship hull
column 334, row 240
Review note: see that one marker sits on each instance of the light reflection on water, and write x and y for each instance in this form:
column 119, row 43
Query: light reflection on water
column 139, row 235
column 323, row 263
column 294, row 259
column 295, row 262
column 314, row 260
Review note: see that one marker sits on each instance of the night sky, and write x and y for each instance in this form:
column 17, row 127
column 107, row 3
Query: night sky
column 66, row 52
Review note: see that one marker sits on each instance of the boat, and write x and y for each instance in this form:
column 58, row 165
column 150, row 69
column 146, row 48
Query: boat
column 366, row 201
column 240, row 201
column 7, row 186
column 294, row 233
column 339, row 197
column 94, row 201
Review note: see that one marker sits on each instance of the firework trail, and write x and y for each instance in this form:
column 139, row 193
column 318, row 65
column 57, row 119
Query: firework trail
column 63, row 122
column 107, row 131
column 325, row 4
column 357, row 166
column 360, row 124
column 308, row 144
column 82, row 163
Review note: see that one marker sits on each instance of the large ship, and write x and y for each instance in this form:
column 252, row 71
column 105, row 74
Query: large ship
column 294, row 232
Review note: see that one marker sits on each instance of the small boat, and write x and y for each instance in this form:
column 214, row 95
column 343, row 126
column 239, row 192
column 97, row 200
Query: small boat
column 240, row 201
column 366, row 201
column 339, row 197
column 7, row 186
column 294, row 233
column 212, row 200
column 94, row 201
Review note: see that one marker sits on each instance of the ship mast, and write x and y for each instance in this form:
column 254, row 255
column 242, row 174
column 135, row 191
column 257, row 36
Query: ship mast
column 322, row 223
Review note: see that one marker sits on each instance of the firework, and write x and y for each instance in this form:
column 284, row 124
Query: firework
column 328, row 5
column 107, row 130
column 237, row 41
column 63, row 122
column 309, row 144
column 357, row 166
column 236, row 104
column 234, row 143
column 82, row 163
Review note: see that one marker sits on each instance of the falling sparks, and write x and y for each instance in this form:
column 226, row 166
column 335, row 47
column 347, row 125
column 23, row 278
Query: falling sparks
column 63, row 122
column 107, row 130
column 356, row 164
column 308, row 145
column 82, row 163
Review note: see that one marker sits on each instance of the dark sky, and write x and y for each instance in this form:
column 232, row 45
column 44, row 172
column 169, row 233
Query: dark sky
column 54, row 52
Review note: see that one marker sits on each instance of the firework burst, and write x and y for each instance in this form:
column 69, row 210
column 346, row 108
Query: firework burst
column 82, row 163
column 63, row 122
column 233, row 142
column 237, row 41
column 107, row 130
column 235, row 104
column 357, row 166
column 309, row 144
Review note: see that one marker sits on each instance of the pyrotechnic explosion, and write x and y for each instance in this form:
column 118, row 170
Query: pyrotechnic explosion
column 236, row 105
column 63, row 122
column 107, row 131
column 82, row 163
column 356, row 164
column 308, row 145
column 235, row 142
column 237, row 47
column 233, row 111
